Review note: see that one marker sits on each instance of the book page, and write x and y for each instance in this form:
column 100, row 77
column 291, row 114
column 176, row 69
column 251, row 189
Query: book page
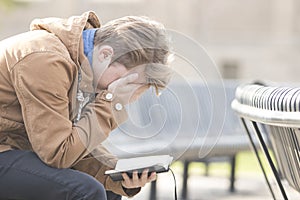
column 143, row 162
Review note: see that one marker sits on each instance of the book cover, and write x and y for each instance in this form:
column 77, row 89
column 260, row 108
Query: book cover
column 156, row 164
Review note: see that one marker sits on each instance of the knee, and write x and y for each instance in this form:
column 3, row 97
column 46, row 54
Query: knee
column 91, row 189
column 95, row 190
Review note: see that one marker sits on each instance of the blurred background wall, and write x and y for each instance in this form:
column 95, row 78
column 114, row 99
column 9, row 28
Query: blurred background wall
column 248, row 39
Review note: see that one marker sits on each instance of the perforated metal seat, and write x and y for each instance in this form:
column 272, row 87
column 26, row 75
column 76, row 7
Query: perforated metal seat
column 278, row 110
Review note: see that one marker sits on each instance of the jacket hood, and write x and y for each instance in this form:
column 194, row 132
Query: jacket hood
column 69, row 30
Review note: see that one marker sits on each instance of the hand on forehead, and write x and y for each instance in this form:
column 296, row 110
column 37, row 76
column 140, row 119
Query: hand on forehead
column 140, row 70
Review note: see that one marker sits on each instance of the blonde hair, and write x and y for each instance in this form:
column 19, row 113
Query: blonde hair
column 138, row 41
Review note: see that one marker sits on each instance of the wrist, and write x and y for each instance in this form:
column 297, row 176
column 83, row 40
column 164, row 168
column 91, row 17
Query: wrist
column 118, row 110
column 110, row 97
column 131, row 191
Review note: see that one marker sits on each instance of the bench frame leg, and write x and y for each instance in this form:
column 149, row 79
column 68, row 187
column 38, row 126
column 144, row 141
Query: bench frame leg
column 270, row 161
column 186, row 175
column 266, row 152
column 153, row 190
column 232, row 173
column 185, row 179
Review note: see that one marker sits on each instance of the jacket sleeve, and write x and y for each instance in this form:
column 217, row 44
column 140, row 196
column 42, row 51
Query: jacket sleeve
column 96, row 163
column 42, row 82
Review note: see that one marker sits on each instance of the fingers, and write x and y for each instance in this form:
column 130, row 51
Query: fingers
column 136, row 182
column 124, row 80
column 135, row 177
column 130, row 183
column 126, row 177
column 144, row 177
column 130, row 78
column 123, row 83
column 152, row 177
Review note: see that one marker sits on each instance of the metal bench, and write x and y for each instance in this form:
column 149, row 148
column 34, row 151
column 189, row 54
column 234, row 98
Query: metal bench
column 191, row 122
column 275, row 111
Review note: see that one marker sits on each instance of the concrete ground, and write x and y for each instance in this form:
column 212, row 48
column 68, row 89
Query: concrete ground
column 248, row 187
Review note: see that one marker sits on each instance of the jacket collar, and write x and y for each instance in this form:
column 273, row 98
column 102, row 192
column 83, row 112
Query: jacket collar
column 69, row 31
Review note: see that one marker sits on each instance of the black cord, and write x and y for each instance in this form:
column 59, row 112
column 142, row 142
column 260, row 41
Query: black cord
column 175, row 188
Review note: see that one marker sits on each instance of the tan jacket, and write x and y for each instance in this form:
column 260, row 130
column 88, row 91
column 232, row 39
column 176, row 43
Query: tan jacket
column 39, row 73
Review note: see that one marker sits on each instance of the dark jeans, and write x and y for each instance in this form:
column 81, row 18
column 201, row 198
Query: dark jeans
column 24, row 176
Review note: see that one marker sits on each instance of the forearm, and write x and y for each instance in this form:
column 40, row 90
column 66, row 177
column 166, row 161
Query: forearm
column 98, row 119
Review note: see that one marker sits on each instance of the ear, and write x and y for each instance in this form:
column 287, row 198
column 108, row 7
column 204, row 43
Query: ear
column 105, row 53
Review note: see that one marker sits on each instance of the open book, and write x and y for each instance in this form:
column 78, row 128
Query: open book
column 156, row 164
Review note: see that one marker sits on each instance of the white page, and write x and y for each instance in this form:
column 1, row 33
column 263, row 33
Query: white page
column 143, row 162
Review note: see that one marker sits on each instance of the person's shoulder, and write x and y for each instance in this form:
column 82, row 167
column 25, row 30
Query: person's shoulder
column 29, row 43
column 49, row 43
column 41, row 40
